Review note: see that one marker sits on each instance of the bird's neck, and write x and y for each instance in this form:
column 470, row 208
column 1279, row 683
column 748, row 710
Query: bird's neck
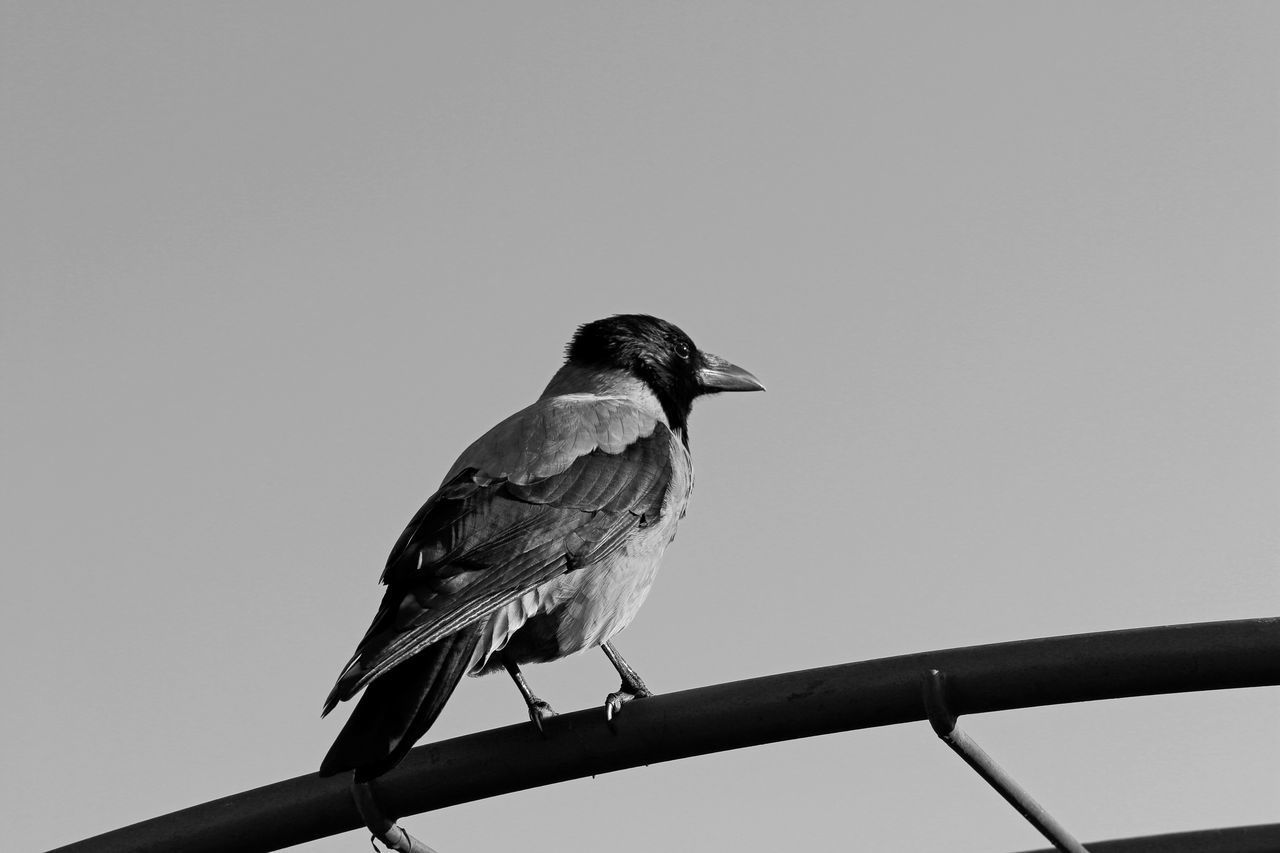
column 608, row 382
column 604, row 381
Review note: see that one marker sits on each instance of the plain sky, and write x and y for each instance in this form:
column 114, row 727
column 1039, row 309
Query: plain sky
column 1011, row 273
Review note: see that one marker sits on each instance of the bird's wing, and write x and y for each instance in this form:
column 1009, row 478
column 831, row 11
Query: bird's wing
column 556, row 486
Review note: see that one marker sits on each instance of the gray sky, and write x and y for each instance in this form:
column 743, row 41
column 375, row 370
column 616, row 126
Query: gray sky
column 1008, row 270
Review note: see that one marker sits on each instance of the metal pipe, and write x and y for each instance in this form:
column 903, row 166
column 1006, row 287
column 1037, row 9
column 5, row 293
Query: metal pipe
column 1030, row 673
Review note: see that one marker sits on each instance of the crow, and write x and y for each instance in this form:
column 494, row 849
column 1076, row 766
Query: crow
column 542, row 541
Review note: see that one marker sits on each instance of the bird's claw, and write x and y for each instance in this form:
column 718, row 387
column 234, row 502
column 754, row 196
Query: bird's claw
column 539, row 713
column 614, row 701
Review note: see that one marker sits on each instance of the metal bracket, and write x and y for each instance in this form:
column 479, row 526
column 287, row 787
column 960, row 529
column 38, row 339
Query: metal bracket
column 943, row 721
column 384, row 829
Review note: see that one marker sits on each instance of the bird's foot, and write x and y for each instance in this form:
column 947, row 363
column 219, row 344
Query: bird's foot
column 614, row 701
column 539, row 713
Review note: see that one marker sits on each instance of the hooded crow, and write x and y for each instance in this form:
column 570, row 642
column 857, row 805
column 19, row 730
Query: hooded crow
column 542, row 541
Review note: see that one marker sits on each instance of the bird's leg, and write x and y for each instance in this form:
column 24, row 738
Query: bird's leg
column 539, row 711
column 633, row 686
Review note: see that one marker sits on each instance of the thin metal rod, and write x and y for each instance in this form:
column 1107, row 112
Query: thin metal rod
column 944, row 725
column 1026, row 674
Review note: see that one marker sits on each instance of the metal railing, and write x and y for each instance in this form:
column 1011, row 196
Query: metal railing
column 888, row 691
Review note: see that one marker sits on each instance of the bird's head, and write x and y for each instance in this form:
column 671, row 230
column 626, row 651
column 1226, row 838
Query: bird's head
column 662, row 356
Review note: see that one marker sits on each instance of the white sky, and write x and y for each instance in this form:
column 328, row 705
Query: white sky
column 1010, row 272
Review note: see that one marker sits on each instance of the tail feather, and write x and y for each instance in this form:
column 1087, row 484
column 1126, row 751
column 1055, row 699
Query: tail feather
column 399, row 706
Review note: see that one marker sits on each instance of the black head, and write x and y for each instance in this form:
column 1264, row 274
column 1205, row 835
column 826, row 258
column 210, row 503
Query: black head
column 662, row 356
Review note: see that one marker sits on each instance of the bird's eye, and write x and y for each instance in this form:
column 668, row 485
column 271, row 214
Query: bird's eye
column 682, row 349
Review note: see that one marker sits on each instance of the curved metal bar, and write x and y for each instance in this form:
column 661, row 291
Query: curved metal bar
column 1003, row 676
column 1261, row 838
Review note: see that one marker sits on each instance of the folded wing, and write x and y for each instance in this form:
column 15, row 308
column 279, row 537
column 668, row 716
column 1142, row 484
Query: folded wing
column 555, row 487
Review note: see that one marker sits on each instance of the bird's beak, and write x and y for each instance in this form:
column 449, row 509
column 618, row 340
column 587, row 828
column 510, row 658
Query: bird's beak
column 716, row 374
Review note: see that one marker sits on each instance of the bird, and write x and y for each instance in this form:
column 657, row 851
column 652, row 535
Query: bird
column 542, row 541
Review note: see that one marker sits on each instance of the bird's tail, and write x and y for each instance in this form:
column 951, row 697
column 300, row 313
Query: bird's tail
column 399, row 706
